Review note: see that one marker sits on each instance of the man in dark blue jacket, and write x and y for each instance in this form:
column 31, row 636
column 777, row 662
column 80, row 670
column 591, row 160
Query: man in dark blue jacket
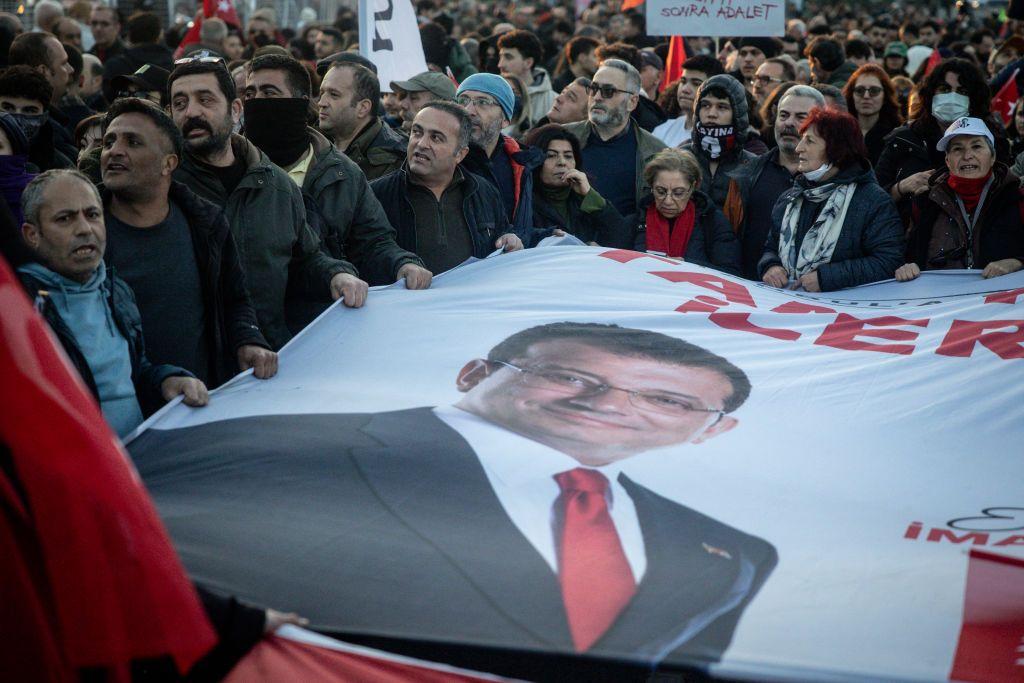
column 441, row 211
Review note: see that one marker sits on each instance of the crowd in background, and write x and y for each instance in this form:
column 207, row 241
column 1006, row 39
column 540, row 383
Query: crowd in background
column 218, row 185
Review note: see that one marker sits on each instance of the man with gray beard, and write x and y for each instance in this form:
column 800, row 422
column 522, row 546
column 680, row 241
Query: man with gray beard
column 763, row 180
column 488, row 100
column 615, row 149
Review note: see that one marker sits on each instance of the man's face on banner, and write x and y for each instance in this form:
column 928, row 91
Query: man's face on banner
column 595, row 405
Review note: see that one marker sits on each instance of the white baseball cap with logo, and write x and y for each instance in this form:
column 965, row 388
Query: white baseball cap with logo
column 965, row 125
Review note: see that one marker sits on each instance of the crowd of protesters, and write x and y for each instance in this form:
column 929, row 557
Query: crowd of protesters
column 219, row 191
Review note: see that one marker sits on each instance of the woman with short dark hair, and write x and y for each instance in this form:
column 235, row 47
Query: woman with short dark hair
column 563, row 197
column 836, row 227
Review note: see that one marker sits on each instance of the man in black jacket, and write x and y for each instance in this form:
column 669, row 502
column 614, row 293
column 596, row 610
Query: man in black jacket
column 25, row 96
column 176, row 251
column 441, row 211
column 144, row 37
column 93, row 312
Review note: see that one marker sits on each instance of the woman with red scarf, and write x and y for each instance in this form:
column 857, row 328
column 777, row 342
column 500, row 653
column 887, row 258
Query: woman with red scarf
column 971, row 216
column 680, row 221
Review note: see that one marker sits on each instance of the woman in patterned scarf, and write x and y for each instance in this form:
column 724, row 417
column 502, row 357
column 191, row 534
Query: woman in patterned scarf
column 836, row 227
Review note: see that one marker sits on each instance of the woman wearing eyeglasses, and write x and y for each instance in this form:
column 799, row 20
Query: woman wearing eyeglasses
column 871, row 97
column 680, row 221
column 970, row 216
column 563, row 197
column 836, row 227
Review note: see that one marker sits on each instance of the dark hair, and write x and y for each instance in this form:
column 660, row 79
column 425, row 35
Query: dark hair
column 24, row 81
column 436, row 43
column 525, row 41
column 978, row 36
column 890, row 115
column 365, row 85
column 543, row 136
column 827, row 51
column 704, row 63
column 769, row 109
column 668, row 100
column 334, row 33
column 84, row 125
column 623, row 51
column 858, row 49
column 295, row 74
column 972, row 81
column 579, row 46
column 844, row 143
column 631, row 343
column 143, row 27
column 909, row 27
column 933, row 25
column 136, row 105
column 30, row 49
column 75, row 60
column 196, row 67
column 465, row 124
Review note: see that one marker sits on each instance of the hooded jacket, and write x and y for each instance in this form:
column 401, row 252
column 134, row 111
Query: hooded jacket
column 277, row 248
column 353, row 224
column 230, row 320
column 717, row 186
column 870, row 245
column 939, row 236
column 713, row 244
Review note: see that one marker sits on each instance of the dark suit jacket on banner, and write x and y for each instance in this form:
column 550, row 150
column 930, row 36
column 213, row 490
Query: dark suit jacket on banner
column 386, row 524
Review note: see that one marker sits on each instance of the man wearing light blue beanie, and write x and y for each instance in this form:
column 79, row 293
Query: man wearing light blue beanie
column 489, row 101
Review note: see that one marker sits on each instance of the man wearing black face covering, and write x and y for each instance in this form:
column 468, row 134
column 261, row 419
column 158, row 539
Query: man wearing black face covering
column 25, row 95
column 352, row 222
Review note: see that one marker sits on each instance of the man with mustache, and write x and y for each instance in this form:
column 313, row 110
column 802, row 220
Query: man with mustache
column 615, row 149
column 264, row 207
column 92, row 312
column 764, row 179
column 176, row 251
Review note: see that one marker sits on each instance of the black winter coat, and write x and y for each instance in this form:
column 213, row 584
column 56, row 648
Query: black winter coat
column 482, row 207
column 605, row 227
column 870, row 245
column 230, row 319
column 713, row 244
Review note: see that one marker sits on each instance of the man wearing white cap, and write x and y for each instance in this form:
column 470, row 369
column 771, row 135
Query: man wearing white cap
column 970, row 216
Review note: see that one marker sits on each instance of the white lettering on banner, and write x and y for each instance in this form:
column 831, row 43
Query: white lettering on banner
column 716, row 17
column 389, row 36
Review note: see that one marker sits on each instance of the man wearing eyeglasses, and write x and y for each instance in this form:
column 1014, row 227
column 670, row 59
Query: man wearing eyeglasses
column 615, row 149
column 769, row 75
column 506, row 519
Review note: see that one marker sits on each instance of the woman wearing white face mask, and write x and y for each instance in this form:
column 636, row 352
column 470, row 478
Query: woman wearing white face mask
column 954, row 89
column 836, row 227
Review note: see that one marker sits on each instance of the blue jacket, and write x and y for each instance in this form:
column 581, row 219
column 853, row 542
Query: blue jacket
column 524, row 161
column 482, row 208
column 870, row 246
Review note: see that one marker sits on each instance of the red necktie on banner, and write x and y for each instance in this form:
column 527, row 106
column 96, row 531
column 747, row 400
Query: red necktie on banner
column 597, row 582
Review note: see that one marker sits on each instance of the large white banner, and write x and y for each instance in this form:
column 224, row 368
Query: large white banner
column 732, row 18
column 390, row 38
column 395, row 478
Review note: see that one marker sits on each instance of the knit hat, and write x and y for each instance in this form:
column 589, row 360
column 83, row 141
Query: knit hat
column 16, row 136
column 495, row 86
column 771, row 47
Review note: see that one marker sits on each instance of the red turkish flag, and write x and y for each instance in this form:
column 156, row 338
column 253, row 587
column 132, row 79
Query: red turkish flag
column 630, row 4
column 222, row 9
column 674, row 63
column 933, row 61
column 1006, row 97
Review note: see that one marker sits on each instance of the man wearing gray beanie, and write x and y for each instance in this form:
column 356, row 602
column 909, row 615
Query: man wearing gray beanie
column 489, row 101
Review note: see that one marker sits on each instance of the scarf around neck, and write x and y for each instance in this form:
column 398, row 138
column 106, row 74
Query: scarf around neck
column 820, row 240
column 968, row 189
column 673, row 243
column 715, row 140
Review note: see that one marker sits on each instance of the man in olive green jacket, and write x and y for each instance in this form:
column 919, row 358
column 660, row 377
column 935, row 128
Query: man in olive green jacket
column 279, row 251
column 378, row 150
